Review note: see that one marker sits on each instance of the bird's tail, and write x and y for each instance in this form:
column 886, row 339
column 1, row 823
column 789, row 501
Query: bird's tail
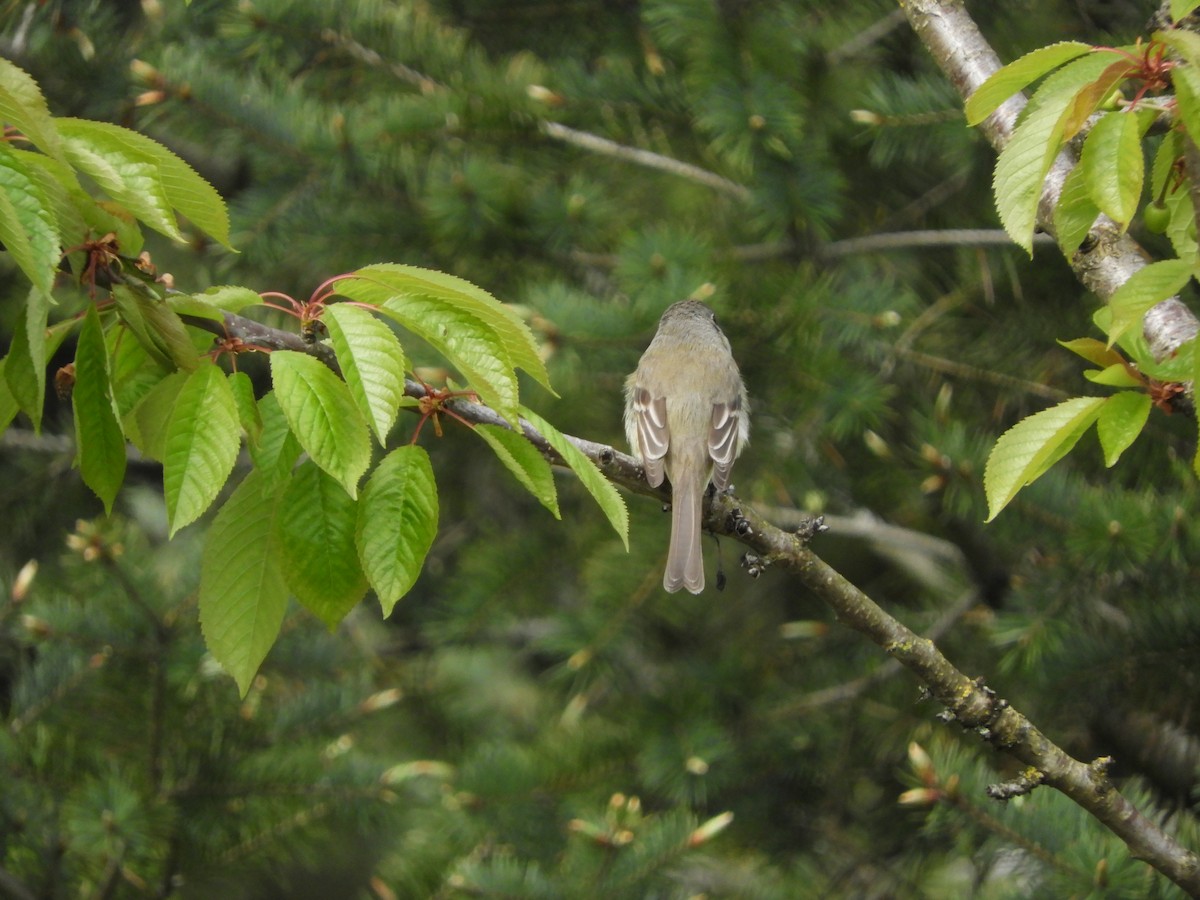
column 685, row 560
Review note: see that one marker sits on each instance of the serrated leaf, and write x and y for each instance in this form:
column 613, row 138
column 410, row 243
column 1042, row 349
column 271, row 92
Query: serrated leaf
column 1181, row 230
column 525, row 462
column 1013, row 77
column 276, row 450
column 1094, row 351
column 79, row 215
column 1117, row 375
column 242, row 592
column 215, row 301
column 514, row 334
column 1033, row 445
column 1149, row 285
column 146, row 424
column 127, row 176
column 1195, row 381
column 28, row 227
column 1095, row 93
column 316, row 528
column 23, row 107
column 589, row 474
column 123, row 161
column 100, row 442
column 1183, row 41
column 247, row 407
column 134, row 372
column 1168, row 153
column 397, row 521
column 1113, row 166
column 1120, row 422
column 1186, row 80
column 372, row 362
column 1181, row 8
column 155, row 325
column 203, row 437
column 8, row 404
column 1022, row 165
column 27, row 357
column 321, row 414
column 1176, row 367
column 1074, row 214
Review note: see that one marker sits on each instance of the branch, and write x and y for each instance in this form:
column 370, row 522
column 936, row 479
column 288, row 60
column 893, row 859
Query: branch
column 970, row 701
column 597, row 144
column 1107, row 258
column 1104, row 262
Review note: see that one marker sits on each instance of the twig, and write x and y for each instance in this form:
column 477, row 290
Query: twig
column 1107, row 257
column 908, row 240
column 638, row 156
column 1105, row 261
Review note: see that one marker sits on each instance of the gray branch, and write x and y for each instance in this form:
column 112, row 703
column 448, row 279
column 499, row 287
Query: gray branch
column 1106, row 261
column 1107, row 257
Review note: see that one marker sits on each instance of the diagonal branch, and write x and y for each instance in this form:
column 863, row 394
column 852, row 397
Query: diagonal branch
column 970, row 701
column 1104, row 262
column 1107, row 258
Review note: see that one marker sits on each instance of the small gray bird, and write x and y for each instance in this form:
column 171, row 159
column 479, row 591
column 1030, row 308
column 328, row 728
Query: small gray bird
column 687, row 416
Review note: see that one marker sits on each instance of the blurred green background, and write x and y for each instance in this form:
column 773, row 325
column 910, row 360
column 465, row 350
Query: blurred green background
column 537, row 718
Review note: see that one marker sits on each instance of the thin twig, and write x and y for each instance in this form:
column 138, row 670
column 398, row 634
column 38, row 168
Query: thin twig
column 597, row 144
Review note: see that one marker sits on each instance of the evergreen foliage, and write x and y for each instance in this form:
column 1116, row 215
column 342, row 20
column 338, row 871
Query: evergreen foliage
column 535, row 718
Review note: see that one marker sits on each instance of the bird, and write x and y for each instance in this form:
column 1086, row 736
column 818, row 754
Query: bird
column 687, row 418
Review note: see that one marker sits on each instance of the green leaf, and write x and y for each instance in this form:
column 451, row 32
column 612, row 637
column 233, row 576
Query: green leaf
column 397, row 521
column 1146, row 287
column 8, row 404
column 514, row 334
column 1074, row 214
column 1095, row 93
column 316, row 527
column 1196, row 380
column 1187, row 96
column 1022, row 166
column 28, row 227
column 525, row 462
column 101, row 444
column 128, row 177
column 212, row 303
column 203, row 437
column 1094, row 351
column 589, row 475
column 1183, row 41
column 1033, row 445
column 18, row 374
column 134, row 373
column 1121, row 420
column 276, row 450
column 372, row 362
column 123, row 161
column 155, row 325
column 321, row 414
column 27, row 357
column 147, row 423
column 1005, row 82
column 23, row 107
column 247, row 408
column 79, row 215
column 1182, row 227
column 1117, row 375
column 1169, row 152
column 477, row 334
column 1181, row 8
column 242, row 592
column 1113, row 166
